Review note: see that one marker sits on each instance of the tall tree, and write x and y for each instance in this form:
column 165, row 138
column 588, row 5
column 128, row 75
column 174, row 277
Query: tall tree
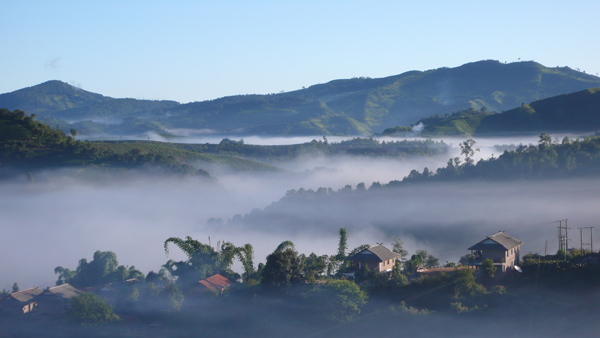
column 283, row 267
column 398, row 247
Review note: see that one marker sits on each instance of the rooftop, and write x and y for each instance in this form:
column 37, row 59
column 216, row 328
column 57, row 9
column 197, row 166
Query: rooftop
column 215, row 282
column 25, row 295
column 66, row 291
column 377, row 253
column 500, row 241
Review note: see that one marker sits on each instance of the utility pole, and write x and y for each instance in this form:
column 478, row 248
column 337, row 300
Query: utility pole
column 560, row 242
column 563, row 240
column 566, row 236
column 591, row 238
column 581, row 239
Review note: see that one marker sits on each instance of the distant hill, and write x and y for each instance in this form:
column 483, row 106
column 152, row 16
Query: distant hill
column 28, row 145
column 49, row 97
column 63, row 101
column 357, row 106
column 576, row 112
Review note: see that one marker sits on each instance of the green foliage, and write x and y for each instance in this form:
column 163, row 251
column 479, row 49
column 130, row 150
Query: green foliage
column 338, row 300
column 89, row 308
column 421, row 259
column 283, row 268
column 398, row 247
column 204, row 260
column 488, row 268
column 571, row 158
column 103, row 269
column 314, row 266
column 15, row 287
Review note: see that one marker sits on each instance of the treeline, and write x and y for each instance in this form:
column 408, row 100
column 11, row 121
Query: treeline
column 353, row 147
column 546, row 160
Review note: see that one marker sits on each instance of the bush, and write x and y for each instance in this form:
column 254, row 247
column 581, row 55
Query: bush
column 89, row 308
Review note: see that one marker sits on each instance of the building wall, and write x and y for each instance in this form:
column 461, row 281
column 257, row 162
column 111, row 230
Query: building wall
column 51, row 304
column 498, row 256
column 513, row 256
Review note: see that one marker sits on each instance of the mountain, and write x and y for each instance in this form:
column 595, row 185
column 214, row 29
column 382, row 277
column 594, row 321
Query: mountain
column 49, row 97
column 63, row 101
column 357, row 106
column 575, row 112
column 363, row 105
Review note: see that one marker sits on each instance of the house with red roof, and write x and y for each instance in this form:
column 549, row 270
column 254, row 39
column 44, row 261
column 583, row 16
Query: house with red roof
column 215, row 284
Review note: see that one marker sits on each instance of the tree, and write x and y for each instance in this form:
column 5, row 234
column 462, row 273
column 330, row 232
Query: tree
column 73, row 132
column 204, row 260
column 283, row 268
column 397, row 278
column 466, row 148
column 488, row 268
column 398, row 247
column 338, row 300
column 314, row 266
column 342, row 245
column 545, row 140
column 15, row 287
column 104, row 268
column 89, row 308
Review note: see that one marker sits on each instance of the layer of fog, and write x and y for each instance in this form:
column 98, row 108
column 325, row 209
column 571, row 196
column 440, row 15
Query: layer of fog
column 444, row 219
column 59, row 219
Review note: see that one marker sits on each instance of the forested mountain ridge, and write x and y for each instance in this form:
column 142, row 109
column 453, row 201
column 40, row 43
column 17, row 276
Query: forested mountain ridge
column 362, row 105
column 575, row 112
column 357, row 106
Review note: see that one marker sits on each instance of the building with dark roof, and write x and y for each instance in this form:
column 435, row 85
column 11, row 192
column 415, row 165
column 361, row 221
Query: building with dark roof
column 19, row 303
column 501, row 248
column 376, row 257
column 55, row 300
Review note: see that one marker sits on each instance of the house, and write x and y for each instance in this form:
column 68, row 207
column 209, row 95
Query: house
column 19, row 303
column 214, row 283
column 55, row 300
column 501, row 248
column 376, row 257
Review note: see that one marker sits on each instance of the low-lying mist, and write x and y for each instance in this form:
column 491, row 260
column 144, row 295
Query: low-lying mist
column 62, row 216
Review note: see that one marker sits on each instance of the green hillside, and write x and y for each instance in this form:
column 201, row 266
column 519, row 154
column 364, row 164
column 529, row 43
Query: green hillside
column 576, row 112
column 579, row 111
column 31, row 145
column 49, row 97
column 374, row 103
column 357, row 106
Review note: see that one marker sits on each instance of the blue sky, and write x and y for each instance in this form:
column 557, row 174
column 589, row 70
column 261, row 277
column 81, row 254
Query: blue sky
column 198, row 50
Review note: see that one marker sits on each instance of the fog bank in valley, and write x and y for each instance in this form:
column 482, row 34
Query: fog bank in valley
column 62, row 217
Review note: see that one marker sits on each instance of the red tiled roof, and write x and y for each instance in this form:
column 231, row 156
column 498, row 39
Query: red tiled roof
column 216, row 282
